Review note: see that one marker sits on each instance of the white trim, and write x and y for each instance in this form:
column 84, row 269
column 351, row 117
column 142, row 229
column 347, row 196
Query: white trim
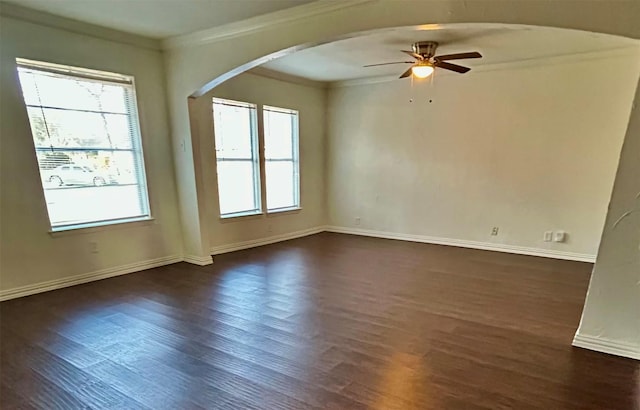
column 216, row 250
column 258, row 23
column 198, row 260
column 367, row 80
column 241, row 214
column 86, row 277
column 42, row 18
column 580, row 341
column 91, row 227
column 277, row 211
column 608, row 346
column 507, row 65
column 287, row 78
column 499, row 247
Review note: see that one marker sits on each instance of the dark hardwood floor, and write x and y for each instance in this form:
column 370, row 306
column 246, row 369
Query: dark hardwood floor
column 325, row 322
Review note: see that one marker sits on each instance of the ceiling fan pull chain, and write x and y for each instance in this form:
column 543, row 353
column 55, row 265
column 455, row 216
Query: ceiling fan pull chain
column 411, row 90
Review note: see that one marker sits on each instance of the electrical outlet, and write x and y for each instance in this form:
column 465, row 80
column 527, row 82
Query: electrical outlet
column 494, row 231
column 559, row 236
column 93, row 247
column 358, row 220
column 269, row 228
column 548, row 235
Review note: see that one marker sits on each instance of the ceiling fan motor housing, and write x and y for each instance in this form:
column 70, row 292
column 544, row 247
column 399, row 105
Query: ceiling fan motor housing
column 426, row 49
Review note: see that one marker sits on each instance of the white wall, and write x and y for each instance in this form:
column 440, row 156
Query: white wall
column 311, row 104
column 29, row 254
column 525, row 148
column 611, row 316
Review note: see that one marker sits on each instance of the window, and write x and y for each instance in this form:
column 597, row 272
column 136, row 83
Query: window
column 237, row 157
column 281, row 158
column 87, row 141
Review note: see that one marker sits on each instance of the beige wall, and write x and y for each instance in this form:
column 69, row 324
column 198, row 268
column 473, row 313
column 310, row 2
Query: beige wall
column 311, row 103
column 197, row 62
column 525, row 148
column 29, row 254
column 611, row 316
column 195, row 66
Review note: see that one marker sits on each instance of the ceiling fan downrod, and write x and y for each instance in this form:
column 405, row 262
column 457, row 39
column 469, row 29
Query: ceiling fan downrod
column 426, row 49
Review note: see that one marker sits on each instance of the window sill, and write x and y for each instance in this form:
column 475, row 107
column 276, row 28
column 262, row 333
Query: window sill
column 284, row 211
column 240, row 215
column 101, row 226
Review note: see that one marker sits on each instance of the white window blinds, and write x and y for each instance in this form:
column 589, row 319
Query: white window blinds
column 281, row 158
column 87, row 141
column 237, row 162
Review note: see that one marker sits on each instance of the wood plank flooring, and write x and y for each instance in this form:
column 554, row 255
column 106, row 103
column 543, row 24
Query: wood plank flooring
column 328, row 321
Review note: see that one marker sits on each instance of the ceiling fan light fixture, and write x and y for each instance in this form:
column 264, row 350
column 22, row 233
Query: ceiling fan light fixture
column 422, row 71
column 425, row 60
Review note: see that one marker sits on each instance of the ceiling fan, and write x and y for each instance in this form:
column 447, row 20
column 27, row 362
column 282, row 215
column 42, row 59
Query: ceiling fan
column 426, row 61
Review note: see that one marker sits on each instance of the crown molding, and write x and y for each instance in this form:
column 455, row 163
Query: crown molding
column 74, row 26
column 508, row 65
column 288, row 78
column 363, row 81
column 258, row 23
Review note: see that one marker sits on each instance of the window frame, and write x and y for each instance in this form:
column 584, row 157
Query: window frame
column 255, row 159
column 294, row 159
column 136, row 150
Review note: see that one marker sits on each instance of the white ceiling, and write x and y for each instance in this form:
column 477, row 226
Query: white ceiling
column 159, row 18
column 343, row 60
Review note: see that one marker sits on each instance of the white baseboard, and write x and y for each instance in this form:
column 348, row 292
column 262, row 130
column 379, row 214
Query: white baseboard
column 86, row 277
column 207, row 260
column 198, row 260
column 547, row 253
column 138, row 266
column 607, row 346
column 216, row 250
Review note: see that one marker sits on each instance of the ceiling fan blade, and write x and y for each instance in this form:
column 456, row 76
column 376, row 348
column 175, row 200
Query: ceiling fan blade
column 459, row 56
column 453, row 67
column 406, row 73
column 414, row 55
column 397, row 62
